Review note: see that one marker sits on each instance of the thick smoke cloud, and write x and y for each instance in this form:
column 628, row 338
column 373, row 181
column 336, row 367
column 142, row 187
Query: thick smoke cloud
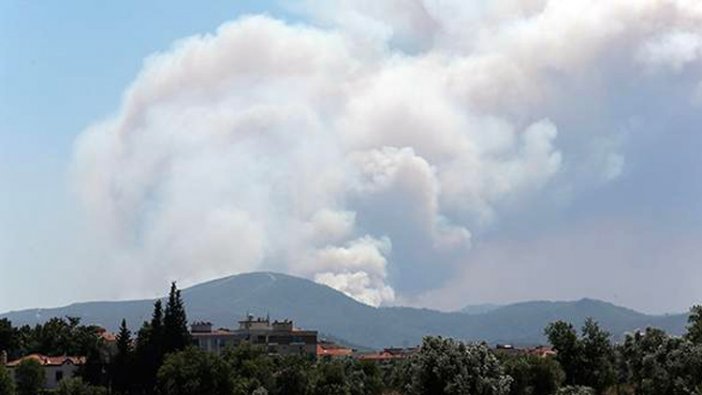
column 370, row 142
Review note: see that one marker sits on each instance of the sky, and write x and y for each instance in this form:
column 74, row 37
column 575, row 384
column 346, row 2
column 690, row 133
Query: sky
column 431, row 153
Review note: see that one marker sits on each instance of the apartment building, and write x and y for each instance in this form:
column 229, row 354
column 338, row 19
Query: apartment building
column 276, row 337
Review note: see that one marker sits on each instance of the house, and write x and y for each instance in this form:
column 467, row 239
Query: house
column 330, row 350
column 107, row 336
column 542, row 351
column 277, row 337
column 539, row 351
column 388, row 354
column 55, row 368
column 508, row 349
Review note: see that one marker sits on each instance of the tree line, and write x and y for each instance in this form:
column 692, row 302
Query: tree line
column 159, row 359
column 127, row 366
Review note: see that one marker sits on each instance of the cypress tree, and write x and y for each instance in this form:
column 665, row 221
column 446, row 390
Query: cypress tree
column 175, row 323
column 155, row 339
column 145, row 359
column 157, row 322
column 122, row 361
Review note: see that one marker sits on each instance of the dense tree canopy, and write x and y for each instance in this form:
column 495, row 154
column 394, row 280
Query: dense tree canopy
column 587, row 360
column 694, row 328
column 446, row 366
column 532, row 375
column 576, row 390
column 564, row 339
column 194, row 372
column 654, row 363
column 293, row 378
column 76, row 386
column 57, row 336
column 7, row 385
column 29, row 376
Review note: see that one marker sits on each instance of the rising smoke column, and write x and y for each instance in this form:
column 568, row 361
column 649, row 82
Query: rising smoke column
column 366, row 143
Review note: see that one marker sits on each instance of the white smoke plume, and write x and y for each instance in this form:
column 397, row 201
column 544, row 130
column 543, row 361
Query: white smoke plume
column 328, row 149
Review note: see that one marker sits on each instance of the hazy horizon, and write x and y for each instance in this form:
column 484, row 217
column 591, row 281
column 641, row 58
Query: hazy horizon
column 482, row 307
column 426, row 153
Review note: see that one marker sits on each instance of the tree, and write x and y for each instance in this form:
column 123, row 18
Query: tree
column 94, row 370
column 398, row 374
column 76, row 386
column 533, row 375
column 365, row 378
column 149, row 348
column 123, row 359
column 8, row 337
column 260, row 391
column 657, row 364
column 29, row 376
column 588, row 360
column 330, row 379
column 564, row 340
column 194, row 372
column 175, row 323
column 146, row 362
column 7, row 385
column 576, row 390
column 156, row 333
column 250, row 367
column 57, row 336
column 598, row 369
column 445, row 366
column 292, row 376
column 694, row 328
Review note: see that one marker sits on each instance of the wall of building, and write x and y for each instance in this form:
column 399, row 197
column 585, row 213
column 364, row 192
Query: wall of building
column 54, row 374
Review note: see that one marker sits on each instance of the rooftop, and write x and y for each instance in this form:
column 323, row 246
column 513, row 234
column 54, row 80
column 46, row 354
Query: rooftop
column 49, row 361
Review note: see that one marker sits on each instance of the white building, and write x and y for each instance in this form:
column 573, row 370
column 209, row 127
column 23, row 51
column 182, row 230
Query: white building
column 55, row 368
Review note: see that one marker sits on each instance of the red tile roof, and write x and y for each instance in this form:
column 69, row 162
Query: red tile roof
column 49, row 361
column 389, row 354
column 542, row 351
column 379, row 356
column 332, row 350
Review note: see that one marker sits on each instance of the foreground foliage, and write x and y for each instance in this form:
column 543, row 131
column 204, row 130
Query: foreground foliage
column 533, row 375
column 7, row 385
column 445, row 366
column 29, row 376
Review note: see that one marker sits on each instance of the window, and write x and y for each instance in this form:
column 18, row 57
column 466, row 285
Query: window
column 59, row 375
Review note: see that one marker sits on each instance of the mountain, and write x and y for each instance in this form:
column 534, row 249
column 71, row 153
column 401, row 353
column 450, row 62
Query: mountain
column 333, row 314
column 479, row 308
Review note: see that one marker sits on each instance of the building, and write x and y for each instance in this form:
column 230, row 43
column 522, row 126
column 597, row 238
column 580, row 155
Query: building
column 508, row 349
column 331, row 350
column 277, row 337
column 55, row 368
column 542, row 351
column 539, row 351
column 388, row 354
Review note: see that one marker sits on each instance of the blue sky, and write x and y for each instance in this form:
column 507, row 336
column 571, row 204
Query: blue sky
column 424, row 153
column 62, row 66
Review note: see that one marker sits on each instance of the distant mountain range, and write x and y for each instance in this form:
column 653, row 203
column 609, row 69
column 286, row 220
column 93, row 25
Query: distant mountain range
column 479, row 308
column 223, row 302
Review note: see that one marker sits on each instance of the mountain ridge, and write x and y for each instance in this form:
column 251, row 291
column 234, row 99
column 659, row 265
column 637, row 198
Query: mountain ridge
column 314, row 306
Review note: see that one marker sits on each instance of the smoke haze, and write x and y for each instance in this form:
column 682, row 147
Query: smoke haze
column 371, row 145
